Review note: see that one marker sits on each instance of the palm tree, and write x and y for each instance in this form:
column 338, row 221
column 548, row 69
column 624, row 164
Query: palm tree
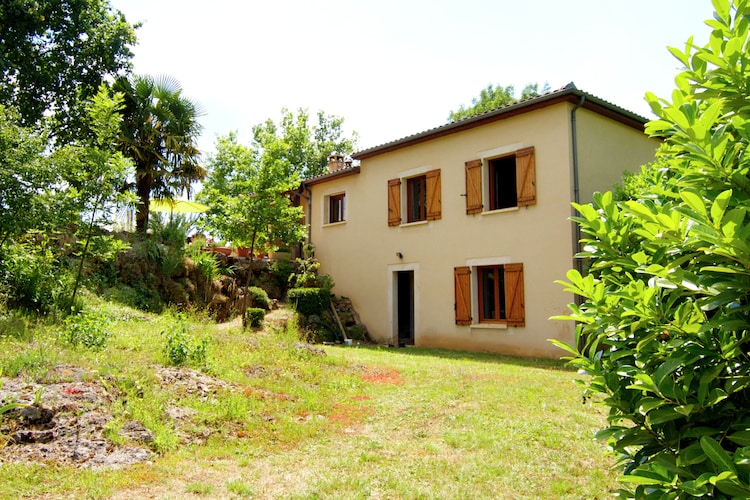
column 159, row 132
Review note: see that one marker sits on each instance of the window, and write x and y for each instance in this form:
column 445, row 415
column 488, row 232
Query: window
column 509, row 181
column 499, row 294
column 416, row 199
column 422, row 198
column 336, row 208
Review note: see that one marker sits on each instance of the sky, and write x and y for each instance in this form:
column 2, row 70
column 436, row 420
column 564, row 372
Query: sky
column 393, row 68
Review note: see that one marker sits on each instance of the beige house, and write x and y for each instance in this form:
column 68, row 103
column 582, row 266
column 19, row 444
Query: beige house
column 454, row 237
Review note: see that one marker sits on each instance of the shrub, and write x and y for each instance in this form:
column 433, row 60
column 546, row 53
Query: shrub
column 258, row 297
column 253, row 317
column 663, row 326
column 356, row 332
column 90, row 329
column 181, row 348
column 309, row 301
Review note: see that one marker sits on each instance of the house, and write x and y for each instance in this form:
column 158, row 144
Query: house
column 453, row 237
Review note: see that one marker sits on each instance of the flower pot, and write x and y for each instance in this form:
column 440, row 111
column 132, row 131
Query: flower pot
column 223, row 250
column 243, row 252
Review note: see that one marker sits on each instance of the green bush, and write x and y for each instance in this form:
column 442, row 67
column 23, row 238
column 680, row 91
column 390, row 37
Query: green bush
column 258, row 297
column 356, row 332
column 253, row 317
column 182, row 348
column 663, row 324
column 309, row 301
column 90, row 329
column 32, row 278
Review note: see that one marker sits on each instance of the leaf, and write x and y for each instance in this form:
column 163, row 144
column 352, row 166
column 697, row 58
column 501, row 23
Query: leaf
column 719, row 206
column 694, row 201
column 717, row 454
column 742, row 438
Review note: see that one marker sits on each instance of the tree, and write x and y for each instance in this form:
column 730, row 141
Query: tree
column 248, row 191
column 25, row 175
column 307, row 146
column 493, row 97
column 159, row 132
column 664, row 326
column 55, row 53
column 96, row 171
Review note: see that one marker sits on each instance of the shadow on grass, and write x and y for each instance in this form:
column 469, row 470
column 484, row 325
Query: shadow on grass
column 483, row 357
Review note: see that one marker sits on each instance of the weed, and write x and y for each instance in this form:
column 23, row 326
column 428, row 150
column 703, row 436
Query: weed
column 181, row 348
column 199, row 489
column 239, row 487
column 90, row 329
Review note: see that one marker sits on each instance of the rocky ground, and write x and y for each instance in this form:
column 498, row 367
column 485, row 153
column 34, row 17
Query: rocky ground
column 65, row 421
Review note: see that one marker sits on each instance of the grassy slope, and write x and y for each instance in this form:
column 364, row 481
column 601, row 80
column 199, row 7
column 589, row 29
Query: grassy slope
column 354, row 423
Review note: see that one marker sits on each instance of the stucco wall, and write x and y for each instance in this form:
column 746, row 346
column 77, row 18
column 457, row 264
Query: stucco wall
column 361, row 253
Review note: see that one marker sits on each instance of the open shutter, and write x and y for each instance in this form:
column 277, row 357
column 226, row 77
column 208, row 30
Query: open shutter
column 526, row 177
column 434, row 203
column 462, row 280
column 473, row 187
column 514, row 300
column 394, row 202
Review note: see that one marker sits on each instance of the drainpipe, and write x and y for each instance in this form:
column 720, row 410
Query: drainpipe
column 309, row 215
column 577, row 263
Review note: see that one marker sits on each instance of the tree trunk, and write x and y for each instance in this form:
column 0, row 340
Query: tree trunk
column 144, row 182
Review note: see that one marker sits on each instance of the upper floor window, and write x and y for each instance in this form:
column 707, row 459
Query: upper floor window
column 421, row 197
column 416, row 199
column 336, row 208
column 504, row 182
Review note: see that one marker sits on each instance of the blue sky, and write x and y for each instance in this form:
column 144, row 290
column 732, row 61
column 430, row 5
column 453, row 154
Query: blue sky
column 393, row 68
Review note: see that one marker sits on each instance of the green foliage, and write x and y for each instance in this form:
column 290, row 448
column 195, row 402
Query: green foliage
column 91, row 329
column 55, row 56
column 493, row 97
column 282, row 270
column 31, row 277
column 258, row 297
column 309, row 301
column 159, row 133
column 248, row 192
column 253, row 317
column 305, row 147
column 665, row 312
column 181, row 347
column 306, row 275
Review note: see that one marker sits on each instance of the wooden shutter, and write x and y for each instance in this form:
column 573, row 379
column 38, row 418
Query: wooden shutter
column 462, row 281
column 394, row 202
column 473, row 187
column 526, row 177
column 514, row 300
column 434, row 203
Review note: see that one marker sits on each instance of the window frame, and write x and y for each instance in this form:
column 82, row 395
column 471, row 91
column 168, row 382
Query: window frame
column 416, row 198
column 336, row 205
column 478, row 176
column 469, row 295
column 431, row 201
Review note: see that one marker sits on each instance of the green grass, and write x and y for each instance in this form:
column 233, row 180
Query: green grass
column 353, row 423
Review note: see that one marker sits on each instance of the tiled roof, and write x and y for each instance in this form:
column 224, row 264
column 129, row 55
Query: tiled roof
column 567, row 93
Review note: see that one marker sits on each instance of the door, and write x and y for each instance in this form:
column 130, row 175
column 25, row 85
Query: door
column 405, row 306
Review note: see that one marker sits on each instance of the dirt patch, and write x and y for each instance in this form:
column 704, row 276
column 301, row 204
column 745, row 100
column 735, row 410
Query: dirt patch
column 65, row 421
column 375, row 375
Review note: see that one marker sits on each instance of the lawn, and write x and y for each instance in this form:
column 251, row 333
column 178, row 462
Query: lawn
column 279, row 419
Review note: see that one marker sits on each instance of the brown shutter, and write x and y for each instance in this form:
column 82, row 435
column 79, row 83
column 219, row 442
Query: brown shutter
column 514, row 300
column 462, row 281
column 434, row 203
column 526, row 177
column 394, row 202
column 473, row 187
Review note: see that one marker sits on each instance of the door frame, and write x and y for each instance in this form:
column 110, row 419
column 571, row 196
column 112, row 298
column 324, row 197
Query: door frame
column 393, row 271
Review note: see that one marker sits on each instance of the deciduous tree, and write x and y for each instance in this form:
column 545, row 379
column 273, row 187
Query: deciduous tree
column 493, row 97
column 55, row 53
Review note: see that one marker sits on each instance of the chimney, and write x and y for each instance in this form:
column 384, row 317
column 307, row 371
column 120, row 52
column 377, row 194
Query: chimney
column 335, row 161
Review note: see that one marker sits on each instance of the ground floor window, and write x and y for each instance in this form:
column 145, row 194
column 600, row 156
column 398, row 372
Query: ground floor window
column 494, row 293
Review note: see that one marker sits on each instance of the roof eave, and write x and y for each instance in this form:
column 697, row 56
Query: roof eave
column 568, row 94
